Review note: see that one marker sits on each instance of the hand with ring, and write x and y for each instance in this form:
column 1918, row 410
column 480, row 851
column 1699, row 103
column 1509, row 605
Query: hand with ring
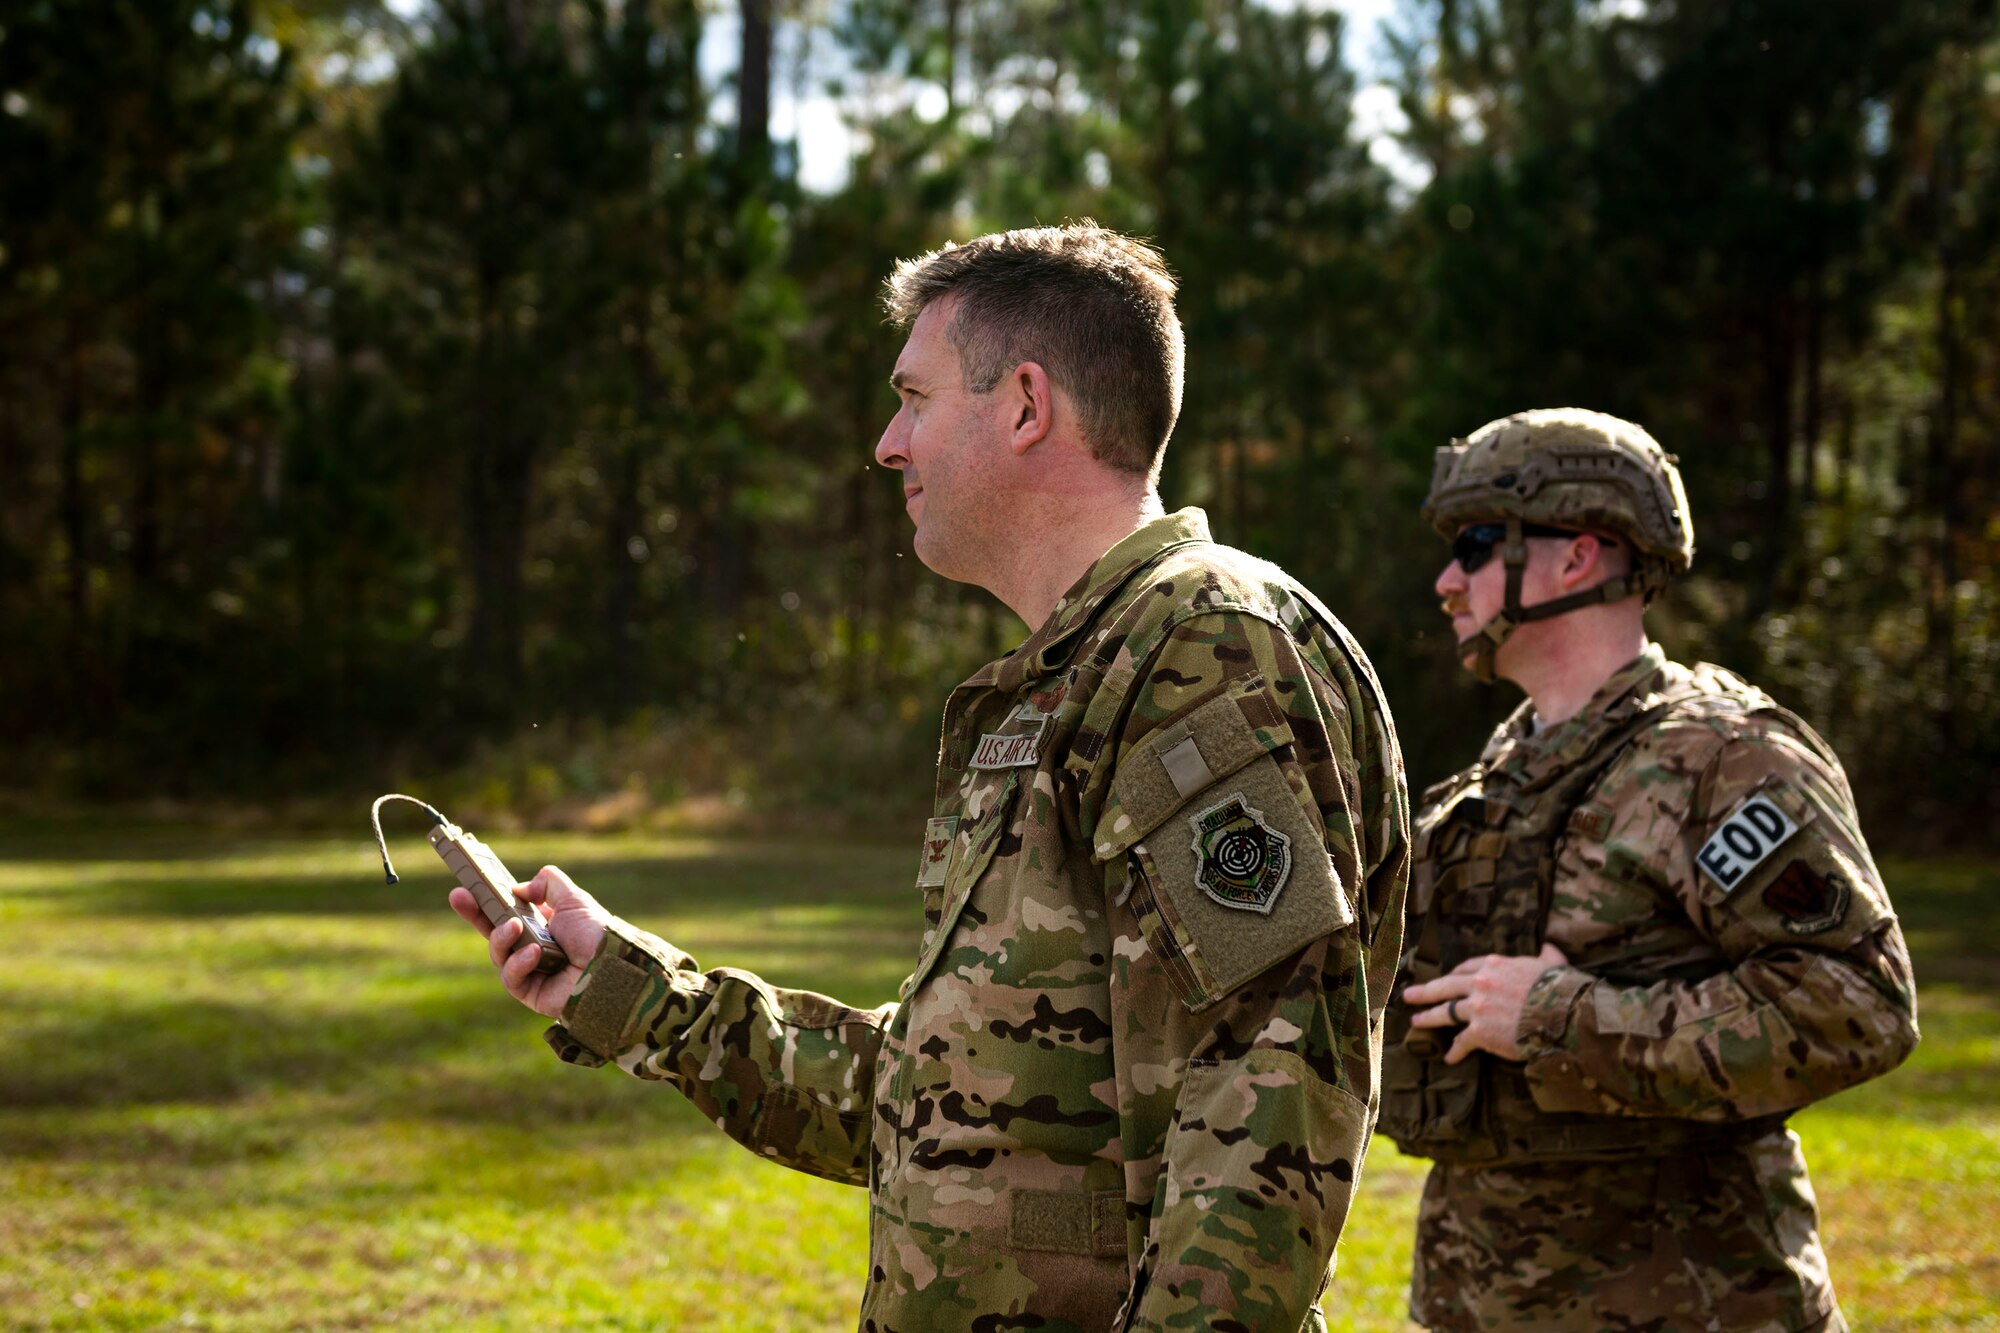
column 1483, row 998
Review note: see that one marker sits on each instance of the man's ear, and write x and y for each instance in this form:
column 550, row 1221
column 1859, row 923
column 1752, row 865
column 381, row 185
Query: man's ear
column 1585, row 560
column 1032, row 399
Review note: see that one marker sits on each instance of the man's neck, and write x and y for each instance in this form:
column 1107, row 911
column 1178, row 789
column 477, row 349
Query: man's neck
column 1566, row 680
column 1065, row 539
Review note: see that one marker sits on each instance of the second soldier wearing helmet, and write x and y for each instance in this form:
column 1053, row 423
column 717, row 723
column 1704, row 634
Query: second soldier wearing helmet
column 1562, row 472
column 1644, row 928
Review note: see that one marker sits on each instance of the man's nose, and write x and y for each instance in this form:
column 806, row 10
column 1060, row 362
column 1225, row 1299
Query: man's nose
column 1451, row 579
column 893, row 449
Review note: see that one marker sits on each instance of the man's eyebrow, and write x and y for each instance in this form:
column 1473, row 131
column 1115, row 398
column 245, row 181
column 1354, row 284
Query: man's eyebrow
column 899, row 380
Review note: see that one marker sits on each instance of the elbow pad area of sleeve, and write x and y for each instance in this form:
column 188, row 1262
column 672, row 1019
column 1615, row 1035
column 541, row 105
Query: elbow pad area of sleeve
column 1265, row 1124
column 1261, row 1170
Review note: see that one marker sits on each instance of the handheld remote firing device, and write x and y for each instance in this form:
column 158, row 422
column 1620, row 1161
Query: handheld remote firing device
column 482, row 875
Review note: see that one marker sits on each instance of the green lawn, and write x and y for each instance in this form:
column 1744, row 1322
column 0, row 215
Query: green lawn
column 245, row 1085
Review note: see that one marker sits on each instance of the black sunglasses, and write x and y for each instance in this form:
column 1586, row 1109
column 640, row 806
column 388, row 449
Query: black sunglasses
column 1474, row 546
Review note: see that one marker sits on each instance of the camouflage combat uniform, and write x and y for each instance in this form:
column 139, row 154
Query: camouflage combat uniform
column 1130, row 1083
column 1693, row 850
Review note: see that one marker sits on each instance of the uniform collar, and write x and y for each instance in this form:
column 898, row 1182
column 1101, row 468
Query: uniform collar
column 1531, row 757
column 1050, row 647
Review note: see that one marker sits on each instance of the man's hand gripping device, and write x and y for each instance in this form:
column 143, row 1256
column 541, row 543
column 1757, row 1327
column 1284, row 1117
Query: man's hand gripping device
column 482, row 875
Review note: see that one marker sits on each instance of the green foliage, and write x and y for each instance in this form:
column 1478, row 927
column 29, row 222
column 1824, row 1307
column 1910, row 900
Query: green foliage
column 372, row 389
column 146, row 209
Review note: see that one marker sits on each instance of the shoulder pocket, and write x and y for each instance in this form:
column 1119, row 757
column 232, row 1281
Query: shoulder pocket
column 1234, row 864
column 1786, row 865
column 1186, row 758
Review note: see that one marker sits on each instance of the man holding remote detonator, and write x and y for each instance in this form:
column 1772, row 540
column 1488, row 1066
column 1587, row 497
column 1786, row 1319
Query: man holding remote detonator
column 1131, row 1080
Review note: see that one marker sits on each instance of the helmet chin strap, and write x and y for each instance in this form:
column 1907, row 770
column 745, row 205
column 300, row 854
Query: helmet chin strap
column 1486, row 640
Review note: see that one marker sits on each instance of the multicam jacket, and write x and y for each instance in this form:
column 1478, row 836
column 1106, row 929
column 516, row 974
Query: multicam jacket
column 1693, row 850
column 1132, row 1078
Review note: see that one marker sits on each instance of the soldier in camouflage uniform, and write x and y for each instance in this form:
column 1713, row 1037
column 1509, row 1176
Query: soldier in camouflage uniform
column 1131, row 1080
column 1644, row 928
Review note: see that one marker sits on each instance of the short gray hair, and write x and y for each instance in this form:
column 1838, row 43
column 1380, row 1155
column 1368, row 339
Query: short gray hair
column 1093, row 307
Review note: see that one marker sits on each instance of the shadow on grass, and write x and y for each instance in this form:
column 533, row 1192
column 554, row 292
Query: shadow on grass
column 125, row 1058
column 578, row 1106
column 201, row 1083
column 705, row 885
column 164, row 1050
column 395, row 1042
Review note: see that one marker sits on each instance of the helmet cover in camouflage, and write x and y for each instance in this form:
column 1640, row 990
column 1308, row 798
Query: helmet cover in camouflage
column 1569, row 468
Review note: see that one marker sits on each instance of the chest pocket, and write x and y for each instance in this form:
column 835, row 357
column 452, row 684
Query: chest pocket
column 1456, row 857
column 976, row 838
column 1229, row 868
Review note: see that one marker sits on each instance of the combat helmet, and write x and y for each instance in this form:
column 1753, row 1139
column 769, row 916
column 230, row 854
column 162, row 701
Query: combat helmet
column 1567, row 468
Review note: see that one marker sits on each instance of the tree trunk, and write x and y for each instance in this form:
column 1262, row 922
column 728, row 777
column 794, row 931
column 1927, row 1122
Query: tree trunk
column 70, row 416
column 496, row 512
column 497, row 516
column 753, row 88
column 1814, row 375
column 1777, row 356
column 1844, row 461
column 1943, row 488
column 622, row 672
column 951, row 8
column 148, row 488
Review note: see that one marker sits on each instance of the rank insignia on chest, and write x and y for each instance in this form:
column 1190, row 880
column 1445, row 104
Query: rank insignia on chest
column 1041, row 704
column 935, row 862
column 1240, row 861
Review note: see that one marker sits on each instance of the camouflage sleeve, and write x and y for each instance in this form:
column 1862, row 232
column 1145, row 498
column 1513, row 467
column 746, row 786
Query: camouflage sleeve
column 786, row 1073
column 1814, row 993
column 1234, row 836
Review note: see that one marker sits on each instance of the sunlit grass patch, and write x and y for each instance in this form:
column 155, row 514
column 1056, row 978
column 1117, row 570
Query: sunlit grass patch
column 244, row 1085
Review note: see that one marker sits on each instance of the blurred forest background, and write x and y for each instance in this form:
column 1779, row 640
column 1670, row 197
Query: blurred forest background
column 472, row 392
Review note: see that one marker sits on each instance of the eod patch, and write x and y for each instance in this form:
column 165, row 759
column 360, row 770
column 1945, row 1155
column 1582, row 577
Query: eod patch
column 1752, row 832
column 1240, row 860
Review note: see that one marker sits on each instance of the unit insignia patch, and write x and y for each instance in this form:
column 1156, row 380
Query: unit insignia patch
column 1240, row 860
column 1807, row 901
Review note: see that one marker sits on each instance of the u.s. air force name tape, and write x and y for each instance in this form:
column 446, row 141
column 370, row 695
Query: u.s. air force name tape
column 998, row 751
column 1752, row 832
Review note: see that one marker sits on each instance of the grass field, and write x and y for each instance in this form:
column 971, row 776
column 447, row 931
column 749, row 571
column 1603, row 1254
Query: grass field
column 246, row 1086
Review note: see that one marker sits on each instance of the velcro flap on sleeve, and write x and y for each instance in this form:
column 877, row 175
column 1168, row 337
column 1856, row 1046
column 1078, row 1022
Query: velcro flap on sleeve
column 1243, row 880
column 1178, row 762
column 601, row 1011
